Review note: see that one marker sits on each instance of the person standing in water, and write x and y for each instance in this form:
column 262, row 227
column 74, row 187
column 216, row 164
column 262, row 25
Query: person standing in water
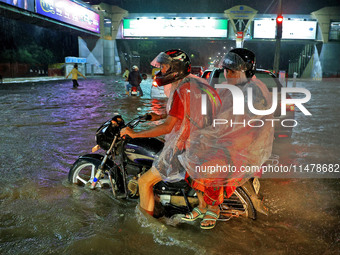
column 74, row 72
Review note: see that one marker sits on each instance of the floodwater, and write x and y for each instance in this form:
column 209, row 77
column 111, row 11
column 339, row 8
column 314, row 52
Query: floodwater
column 44, row 127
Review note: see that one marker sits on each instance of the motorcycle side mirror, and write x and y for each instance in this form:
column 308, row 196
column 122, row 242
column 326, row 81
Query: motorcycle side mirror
column 147, row 116
column 118, row 120
column 144, row 76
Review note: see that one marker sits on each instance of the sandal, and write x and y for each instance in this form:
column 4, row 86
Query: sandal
column 191, row 217
column 214, row 219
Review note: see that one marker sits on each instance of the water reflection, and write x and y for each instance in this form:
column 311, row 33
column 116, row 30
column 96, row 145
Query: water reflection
column 45, row 127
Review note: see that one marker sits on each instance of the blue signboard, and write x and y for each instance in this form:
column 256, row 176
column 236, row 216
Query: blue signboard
column 23, row 4
column 75, row 60
column 70, row 13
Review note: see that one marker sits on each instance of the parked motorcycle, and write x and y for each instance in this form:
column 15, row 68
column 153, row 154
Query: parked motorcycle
column 126, row 159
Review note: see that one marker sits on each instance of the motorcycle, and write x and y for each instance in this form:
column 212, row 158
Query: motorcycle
column 126, row 159
column 133, row 91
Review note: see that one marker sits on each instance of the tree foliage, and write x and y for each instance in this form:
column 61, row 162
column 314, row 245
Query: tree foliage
column 28, row 54
column 30, row 44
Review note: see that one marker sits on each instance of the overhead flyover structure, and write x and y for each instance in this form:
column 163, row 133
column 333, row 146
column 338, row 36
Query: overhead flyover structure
column 218, row 26
column 240, row 18
column 318, row 31
column 238, row 24
column 71, row 16
column 99, row 26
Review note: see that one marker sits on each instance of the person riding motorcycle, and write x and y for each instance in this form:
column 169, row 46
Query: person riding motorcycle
column 235, row 145
column 183, row 115
column 134, row 79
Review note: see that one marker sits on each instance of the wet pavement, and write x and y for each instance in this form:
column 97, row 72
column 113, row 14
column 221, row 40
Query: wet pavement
column 45, row 126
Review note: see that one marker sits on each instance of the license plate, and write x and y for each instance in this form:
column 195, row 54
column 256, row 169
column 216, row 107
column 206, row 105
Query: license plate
column 256, row 185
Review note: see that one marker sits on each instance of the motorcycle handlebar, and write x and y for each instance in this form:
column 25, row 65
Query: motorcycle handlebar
column 133, row 123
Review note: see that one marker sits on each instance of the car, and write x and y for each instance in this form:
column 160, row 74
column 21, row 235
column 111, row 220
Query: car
column 197, row 70
column 157, row 92
column 216, row 76
column 206, row 74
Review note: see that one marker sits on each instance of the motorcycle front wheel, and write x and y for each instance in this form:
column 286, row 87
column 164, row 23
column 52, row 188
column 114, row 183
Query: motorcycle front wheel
column 83, row 172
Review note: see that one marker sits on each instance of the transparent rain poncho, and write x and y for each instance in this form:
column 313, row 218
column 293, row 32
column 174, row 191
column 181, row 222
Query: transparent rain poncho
column 216, row 153
column 223, row 153
column 190, row 91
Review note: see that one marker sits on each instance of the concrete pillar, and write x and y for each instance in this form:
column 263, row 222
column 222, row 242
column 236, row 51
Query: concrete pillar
column 115, row 14
column 329, row 54
column 100, row 52
column 324, row 17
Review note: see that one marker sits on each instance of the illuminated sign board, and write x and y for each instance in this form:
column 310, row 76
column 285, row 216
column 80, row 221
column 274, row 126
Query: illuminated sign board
column 177, row 27
column 299, row 29
column 75, row 60
column 291, row 29
column 264, row 29
column 23, row 4
column 69, row 12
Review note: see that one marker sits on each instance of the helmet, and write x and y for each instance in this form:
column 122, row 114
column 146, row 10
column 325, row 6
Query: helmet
column 180, row 66
column 240, row 59
column 135, row 68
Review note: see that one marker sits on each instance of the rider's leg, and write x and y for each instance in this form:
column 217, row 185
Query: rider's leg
column 140, row 90
column 128, row 87
column 209, row 219
column 145, row 184
column 202, row 205
column 213, row 196
column 198, row 186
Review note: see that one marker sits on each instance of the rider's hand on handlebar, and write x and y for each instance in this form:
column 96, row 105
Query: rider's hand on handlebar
column 127, row 131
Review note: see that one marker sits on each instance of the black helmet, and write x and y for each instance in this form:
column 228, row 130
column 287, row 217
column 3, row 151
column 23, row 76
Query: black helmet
column 240, row 59
column 180, row 66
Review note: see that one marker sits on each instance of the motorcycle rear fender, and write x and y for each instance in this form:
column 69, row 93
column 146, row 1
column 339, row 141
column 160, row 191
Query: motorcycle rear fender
column 258, row 204
column 96, row 158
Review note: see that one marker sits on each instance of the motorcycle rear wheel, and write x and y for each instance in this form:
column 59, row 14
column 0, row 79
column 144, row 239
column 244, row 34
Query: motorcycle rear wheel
column 239, row 204
column 83, row 172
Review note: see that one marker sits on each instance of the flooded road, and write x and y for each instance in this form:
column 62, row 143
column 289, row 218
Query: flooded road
column 44, row 128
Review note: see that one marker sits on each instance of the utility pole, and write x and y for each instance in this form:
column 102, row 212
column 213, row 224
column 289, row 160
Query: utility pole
column 279, row 21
